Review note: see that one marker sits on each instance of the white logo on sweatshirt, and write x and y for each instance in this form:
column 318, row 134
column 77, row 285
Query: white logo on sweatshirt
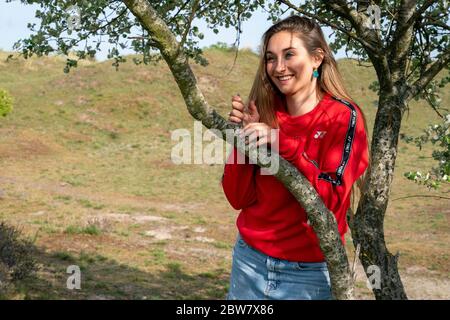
column 319, row 134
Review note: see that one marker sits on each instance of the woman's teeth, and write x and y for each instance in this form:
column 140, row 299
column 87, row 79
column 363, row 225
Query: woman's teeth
column 284, row 78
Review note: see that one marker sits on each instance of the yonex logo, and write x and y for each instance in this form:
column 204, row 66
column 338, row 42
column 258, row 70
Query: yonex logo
column 319, row 134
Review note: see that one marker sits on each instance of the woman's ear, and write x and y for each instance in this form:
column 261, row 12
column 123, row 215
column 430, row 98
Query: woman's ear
column 318, row 58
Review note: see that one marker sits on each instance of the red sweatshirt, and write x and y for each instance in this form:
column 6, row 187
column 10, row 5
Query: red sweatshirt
column 328, row 146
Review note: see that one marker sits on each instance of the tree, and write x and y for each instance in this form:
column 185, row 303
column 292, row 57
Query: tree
column 407, row 46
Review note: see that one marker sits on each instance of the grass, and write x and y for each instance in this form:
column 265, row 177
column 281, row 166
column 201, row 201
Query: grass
column 63, row 255
column 222, row 245
column 90, row 230
column 158, row 255
column 92, row 150
column 88, row 204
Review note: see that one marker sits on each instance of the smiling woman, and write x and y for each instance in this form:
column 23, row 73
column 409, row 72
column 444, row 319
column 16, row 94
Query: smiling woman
column 288, row 65
column 322, row 132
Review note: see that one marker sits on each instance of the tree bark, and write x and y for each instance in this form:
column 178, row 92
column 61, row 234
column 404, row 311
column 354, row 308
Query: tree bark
column 368, row 224
column 321, row 219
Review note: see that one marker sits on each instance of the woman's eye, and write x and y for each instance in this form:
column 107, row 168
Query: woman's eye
column 270, row 58
column 289, row 54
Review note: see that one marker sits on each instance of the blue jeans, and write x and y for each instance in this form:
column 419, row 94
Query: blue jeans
column 256, row 276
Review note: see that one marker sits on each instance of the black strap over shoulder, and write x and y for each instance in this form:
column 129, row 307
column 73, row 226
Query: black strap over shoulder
column 349, row 137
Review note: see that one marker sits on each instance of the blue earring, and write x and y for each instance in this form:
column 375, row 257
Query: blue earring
column 315, row 73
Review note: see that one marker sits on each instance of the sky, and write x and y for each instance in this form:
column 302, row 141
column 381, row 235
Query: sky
column 15, row 16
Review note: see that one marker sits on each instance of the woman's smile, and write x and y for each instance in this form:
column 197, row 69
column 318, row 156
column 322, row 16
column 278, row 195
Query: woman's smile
column 284, row 79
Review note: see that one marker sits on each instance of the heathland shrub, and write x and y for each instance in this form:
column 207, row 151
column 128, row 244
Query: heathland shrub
column 16, row 256
column 6, row 103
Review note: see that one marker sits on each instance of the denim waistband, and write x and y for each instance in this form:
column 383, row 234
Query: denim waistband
column 274, row 264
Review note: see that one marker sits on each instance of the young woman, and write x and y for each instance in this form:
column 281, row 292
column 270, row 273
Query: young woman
column 299, row 91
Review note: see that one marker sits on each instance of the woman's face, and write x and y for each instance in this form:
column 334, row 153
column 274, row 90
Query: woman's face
column 288, row 63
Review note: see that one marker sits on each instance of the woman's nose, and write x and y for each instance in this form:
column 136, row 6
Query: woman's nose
column 280, row 66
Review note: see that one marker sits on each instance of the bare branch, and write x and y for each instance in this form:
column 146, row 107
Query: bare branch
column 421, row 196
column 237, row 41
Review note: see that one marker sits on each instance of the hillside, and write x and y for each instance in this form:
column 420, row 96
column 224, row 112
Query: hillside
column 85, row 169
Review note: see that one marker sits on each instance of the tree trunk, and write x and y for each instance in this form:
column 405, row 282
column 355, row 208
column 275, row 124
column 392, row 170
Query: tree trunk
column 368, row 227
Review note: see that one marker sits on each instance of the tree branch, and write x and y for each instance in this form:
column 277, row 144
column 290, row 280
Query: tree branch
column 430, row 21
column 441, row 62
column 179, row 10
column 403, row 27
column 354, row 36
column 321, row 219
column 420, row 11
column 421, row 196
column 359, row 21
column 402, row 40
column 189, row 23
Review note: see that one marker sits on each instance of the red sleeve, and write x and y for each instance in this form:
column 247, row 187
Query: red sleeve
column 341, row 161
column 238, row 180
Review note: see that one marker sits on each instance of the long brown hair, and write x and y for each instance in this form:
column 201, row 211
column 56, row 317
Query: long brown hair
column 266, row 94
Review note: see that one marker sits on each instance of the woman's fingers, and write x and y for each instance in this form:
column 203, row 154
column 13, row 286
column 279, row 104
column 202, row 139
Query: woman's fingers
column 238, row 105
column 236, row 116
column 239, row 112
column 235, row 119
column 253, row 137
column 236, row 98
column 254, row 126
column 262, row 141
column 256, row 132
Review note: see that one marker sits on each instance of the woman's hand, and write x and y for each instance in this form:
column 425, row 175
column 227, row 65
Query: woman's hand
column 261, row 133
column 239, row 114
